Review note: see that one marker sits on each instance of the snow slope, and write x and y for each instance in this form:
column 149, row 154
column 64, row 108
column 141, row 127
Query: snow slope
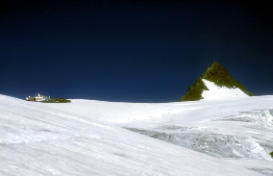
column 87, row 137
column 215, row 92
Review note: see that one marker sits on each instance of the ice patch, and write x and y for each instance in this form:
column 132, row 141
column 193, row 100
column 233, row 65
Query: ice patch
column 262, row 119
column 245, row 135
column 212, row 143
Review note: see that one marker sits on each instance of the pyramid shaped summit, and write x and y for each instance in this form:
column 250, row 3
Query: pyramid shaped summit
column 215, row 83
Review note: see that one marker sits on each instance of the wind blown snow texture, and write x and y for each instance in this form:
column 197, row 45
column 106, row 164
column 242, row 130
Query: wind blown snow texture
column 87, row 137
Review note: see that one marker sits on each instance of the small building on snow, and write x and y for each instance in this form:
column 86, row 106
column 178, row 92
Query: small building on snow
column 39, row 98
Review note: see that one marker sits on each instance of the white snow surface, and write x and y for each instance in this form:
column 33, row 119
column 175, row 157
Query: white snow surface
column 87, row 137
column 215, row 92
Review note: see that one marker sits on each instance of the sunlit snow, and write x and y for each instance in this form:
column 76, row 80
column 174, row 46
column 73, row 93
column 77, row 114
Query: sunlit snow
column 215, row 92
column 86, row 137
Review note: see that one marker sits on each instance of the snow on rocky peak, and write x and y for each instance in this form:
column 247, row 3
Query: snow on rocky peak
column 215, row 92
column 215, row 83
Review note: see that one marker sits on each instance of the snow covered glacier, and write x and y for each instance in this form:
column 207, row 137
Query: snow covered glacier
column 227, row 137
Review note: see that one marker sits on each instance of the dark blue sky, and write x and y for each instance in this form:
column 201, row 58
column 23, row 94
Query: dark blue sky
column 139, row 51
